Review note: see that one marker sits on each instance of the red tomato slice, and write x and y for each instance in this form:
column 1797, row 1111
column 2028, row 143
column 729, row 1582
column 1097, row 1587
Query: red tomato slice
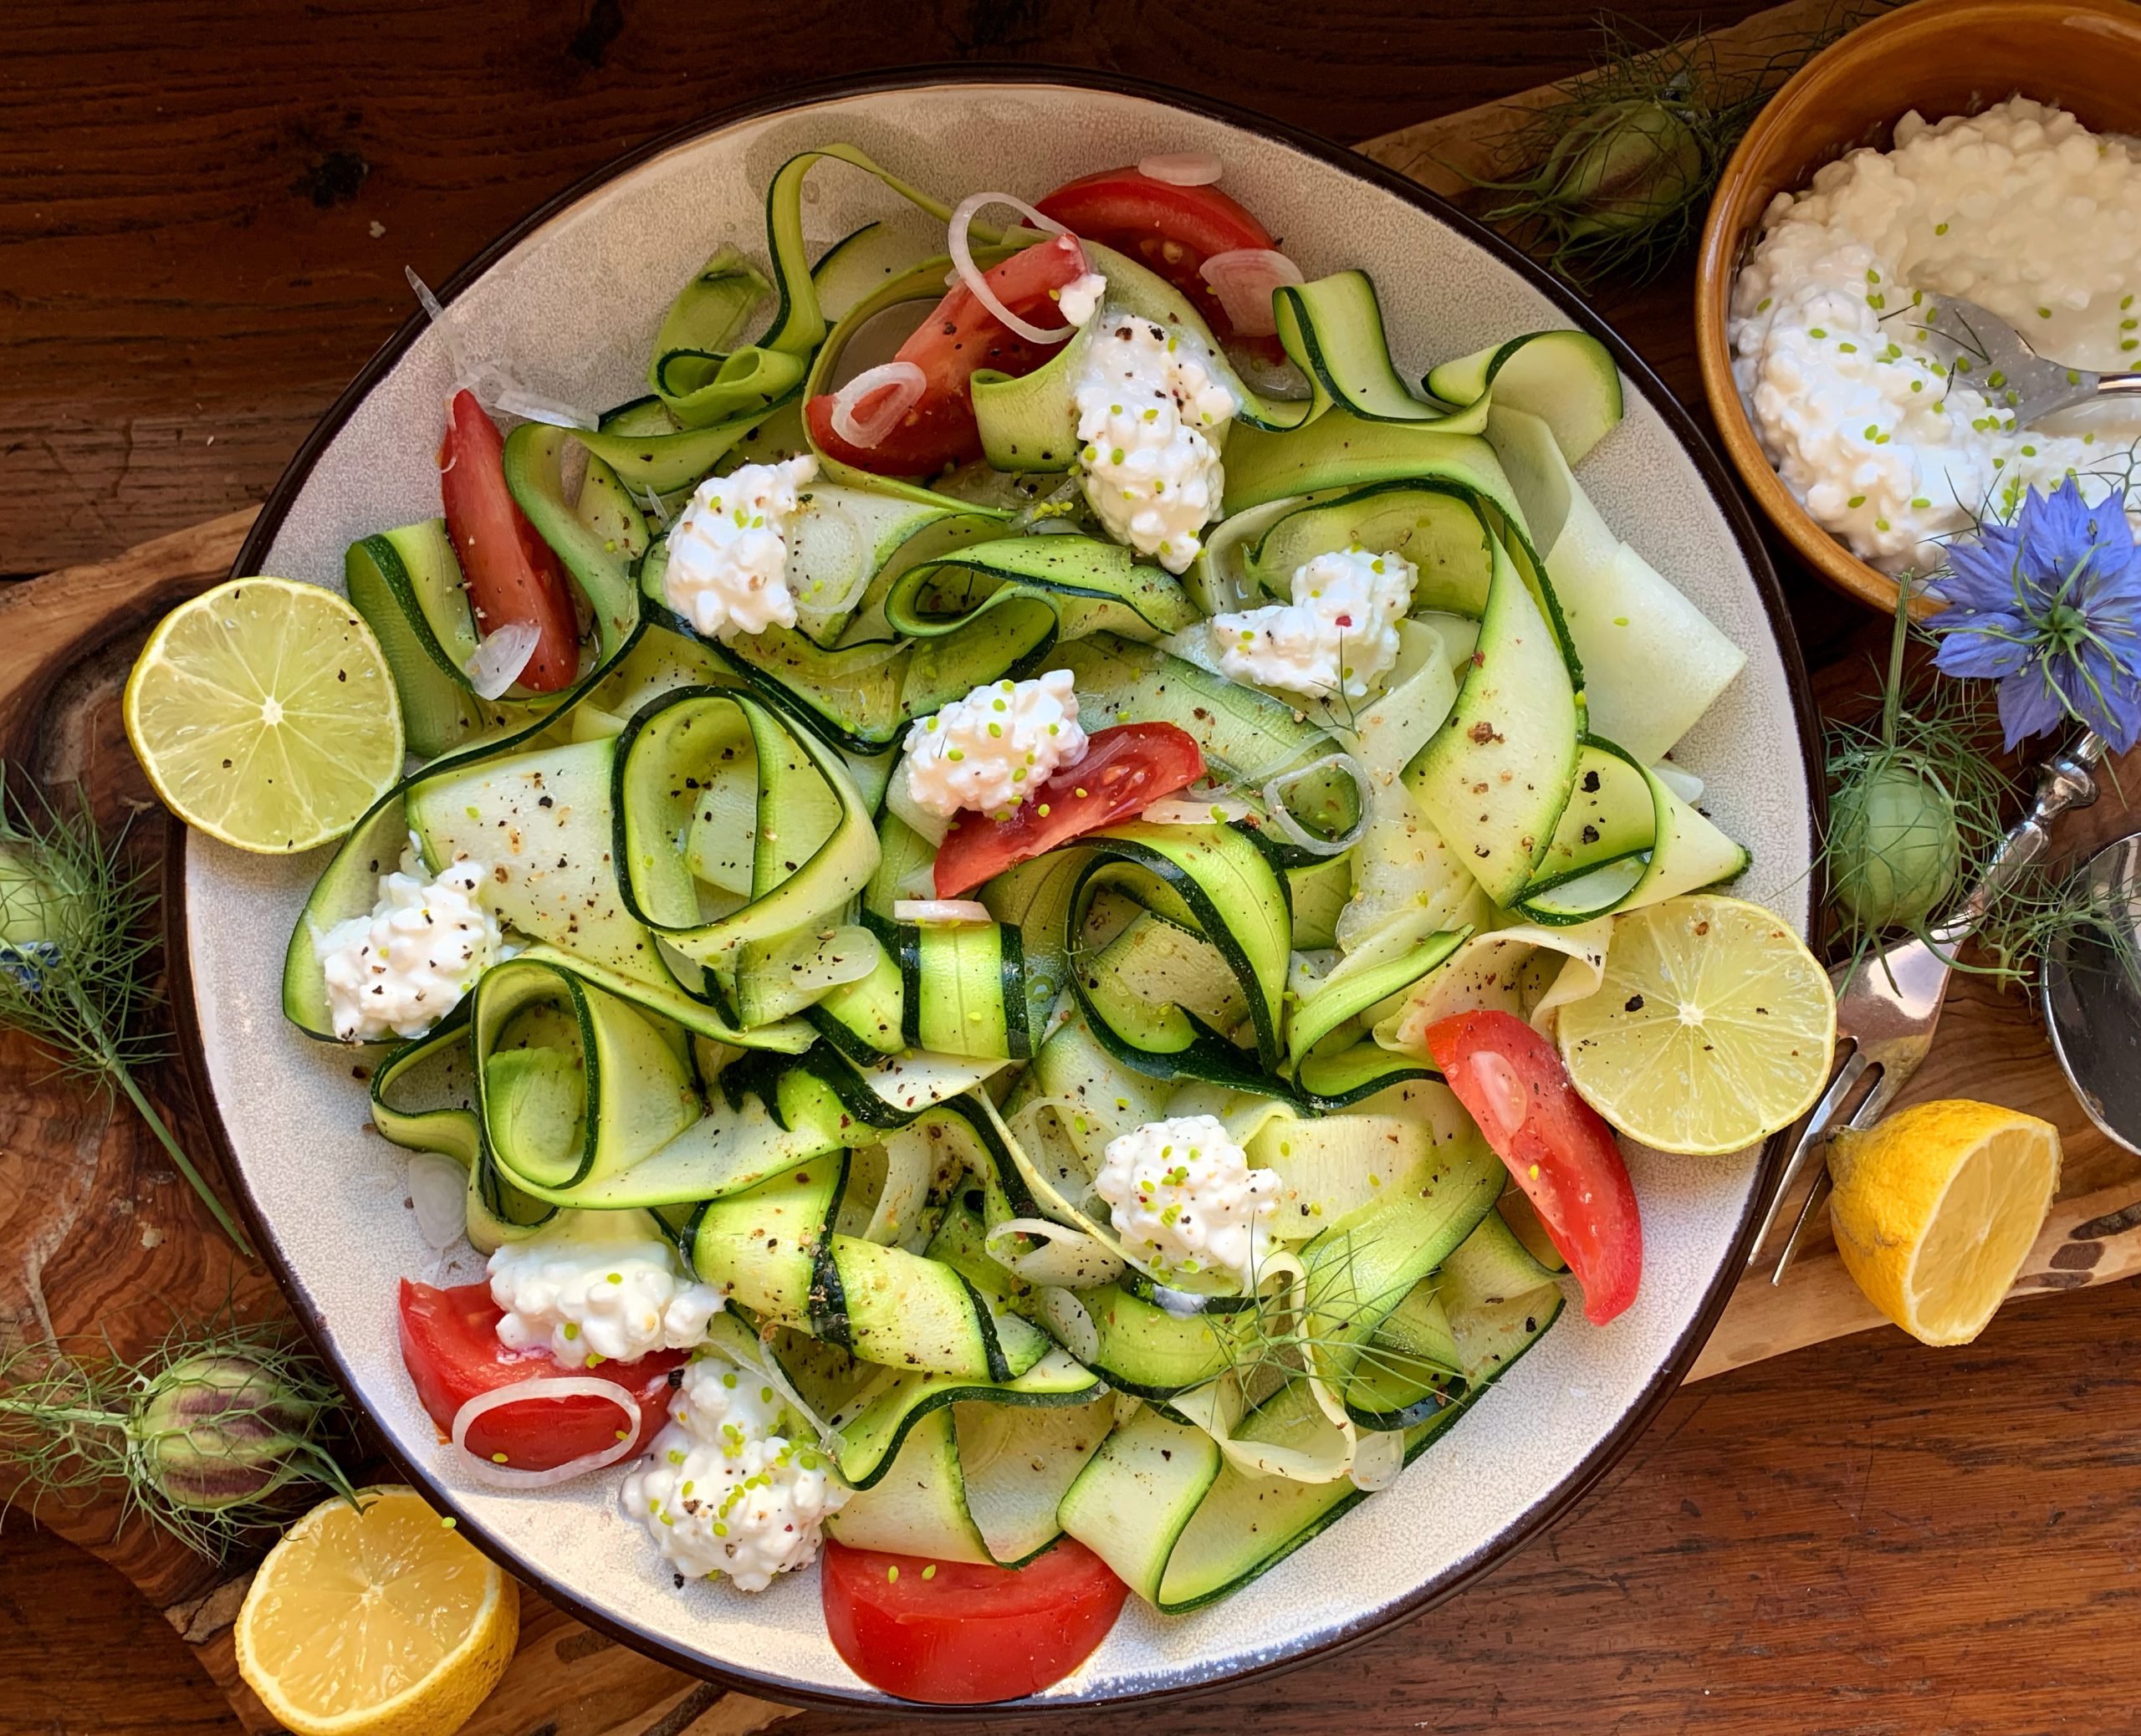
column 960, row 336
column 1559, row 1148
column 966, row 1635
column 1125, row 769
column 1168, row 229
column 450, row 1346
column 511, row 572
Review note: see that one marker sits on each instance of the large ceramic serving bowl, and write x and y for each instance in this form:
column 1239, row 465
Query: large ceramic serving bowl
column 570, row 300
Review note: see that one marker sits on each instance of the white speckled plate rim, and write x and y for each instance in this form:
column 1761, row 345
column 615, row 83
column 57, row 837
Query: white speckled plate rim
column 569, row 301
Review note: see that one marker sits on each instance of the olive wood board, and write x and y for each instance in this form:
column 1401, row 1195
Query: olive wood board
column 98, row 1234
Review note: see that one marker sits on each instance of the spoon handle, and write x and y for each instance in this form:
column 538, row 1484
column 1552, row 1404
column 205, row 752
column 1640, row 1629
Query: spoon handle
column 2065, row 782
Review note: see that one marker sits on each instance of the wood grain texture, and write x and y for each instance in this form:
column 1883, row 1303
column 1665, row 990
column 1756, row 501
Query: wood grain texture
column 201, row 222
column 210, row 204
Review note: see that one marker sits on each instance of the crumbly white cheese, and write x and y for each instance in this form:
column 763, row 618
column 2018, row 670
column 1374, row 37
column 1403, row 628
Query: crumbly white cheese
column 728, row 549
column 733, row 1485
column 987, row 750
column 1339, row 631
column 1146, row 403
column 1080, row 299
column 399, row 971
column 1183, row 1198
column 2020, row 209
column 592, row 1286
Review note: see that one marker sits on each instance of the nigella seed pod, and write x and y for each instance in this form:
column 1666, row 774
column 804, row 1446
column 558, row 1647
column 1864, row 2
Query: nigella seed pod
column 1894, row 850
column 36, row 917
column 1625, row 166
column 214, row 1431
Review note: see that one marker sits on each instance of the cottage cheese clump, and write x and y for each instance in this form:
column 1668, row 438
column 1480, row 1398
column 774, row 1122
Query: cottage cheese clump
column 987, row 751
column 1183, row 1198
column 2020, row 209
column 1147, row 407
column 399, row 971
column 1340, row 632
column 728, row 549
column 594, row 1287
column 734, row 1485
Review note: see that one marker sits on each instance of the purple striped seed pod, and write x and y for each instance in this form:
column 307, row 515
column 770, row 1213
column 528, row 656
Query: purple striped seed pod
column 217, row 1430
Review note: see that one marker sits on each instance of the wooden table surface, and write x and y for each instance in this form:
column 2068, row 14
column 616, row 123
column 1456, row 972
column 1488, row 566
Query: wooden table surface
column 208, row 209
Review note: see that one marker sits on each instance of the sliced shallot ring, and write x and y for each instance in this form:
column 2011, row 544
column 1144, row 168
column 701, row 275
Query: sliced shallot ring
column 1185, row 811
column 1292, row 831
column 1377, row 1459
column 1182, row 168
column 1243, row 278
column 897, row 387
column 940, row 912
column 499, row 1476
column 499, row 658
column 438, row 1195
column 971, row 274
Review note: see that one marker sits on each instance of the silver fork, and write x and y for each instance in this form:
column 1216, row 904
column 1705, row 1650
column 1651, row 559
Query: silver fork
column 1979, row 343
column 1888, row 1006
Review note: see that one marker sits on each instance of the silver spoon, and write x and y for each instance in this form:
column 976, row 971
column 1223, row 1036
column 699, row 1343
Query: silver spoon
column 1997, row 361
column 2093, row 1001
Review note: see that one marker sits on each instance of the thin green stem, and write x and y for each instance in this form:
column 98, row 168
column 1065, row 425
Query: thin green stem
column 1891, row 700
column 60, row 1413
column 123, row 1076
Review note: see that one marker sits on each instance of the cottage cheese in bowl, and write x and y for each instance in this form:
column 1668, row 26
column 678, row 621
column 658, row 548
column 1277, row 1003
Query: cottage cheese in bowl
column 2020, row 209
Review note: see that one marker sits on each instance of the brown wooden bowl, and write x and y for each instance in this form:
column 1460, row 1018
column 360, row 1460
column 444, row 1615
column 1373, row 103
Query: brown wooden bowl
column 1938, row 57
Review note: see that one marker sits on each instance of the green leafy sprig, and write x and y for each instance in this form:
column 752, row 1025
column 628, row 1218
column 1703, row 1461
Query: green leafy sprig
column 1613, row 178
column 78, row 958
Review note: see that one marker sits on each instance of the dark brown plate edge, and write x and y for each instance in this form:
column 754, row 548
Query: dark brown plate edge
column 1558, row 1500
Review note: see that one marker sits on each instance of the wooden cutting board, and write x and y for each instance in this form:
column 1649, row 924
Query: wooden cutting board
column 98, row 1233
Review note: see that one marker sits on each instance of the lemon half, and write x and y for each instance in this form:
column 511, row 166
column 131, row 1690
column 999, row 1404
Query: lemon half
column 1714, row 1027
column 380, row 1623
column 1936, row 1208
column 265, row 715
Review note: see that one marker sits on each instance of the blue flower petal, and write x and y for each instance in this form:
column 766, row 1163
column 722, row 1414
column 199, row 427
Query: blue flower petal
column 2028, row 706
column 1979, row 576
column 2059, row 537
column 1989, row 647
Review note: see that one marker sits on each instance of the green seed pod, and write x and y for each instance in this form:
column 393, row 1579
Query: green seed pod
column 1894, row 851
column 1624, row 166
column 37, row 919
column 216, row 1431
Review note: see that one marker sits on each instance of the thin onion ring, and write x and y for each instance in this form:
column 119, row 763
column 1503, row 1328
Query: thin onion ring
column 901, row 385
column 511, row 1477
column 1182, row 168
column 1292, row 829
column 940, row 912
column 1243, row 278
column 499, row 658
column 971, row 275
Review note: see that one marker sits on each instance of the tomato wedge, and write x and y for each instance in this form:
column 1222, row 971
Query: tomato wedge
column 958, row 337
column 954, row 1634
column 450, row 1346
column 1168, row 229
column 511, row 572
column 1559, row 1148
column 1125, row 770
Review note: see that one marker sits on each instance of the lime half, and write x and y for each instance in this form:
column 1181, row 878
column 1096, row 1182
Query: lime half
column 265, row 715
column 1714, row 1028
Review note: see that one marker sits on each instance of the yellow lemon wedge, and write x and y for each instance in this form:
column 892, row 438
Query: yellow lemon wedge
column 265, row 715
column 1935, row 1210
column 1713, row 1027
column 382, row 1622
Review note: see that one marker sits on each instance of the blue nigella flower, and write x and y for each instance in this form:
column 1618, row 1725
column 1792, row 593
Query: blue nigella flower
column 2050, row 607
